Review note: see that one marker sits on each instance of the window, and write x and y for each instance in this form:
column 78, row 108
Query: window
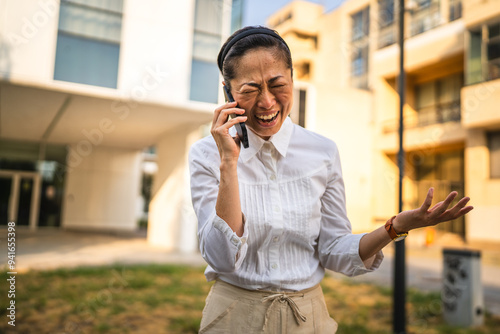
column 439, row 101
column 361, row 24
column 88, row 42
column 483, row 54
column 206, row 43
column 386, row 26
column 494, row 149
column 237, row 15
column 425, row 16
column 474, row 63
column 360, row 48
column 455, row 9
column 493, row 51
column 299, row 109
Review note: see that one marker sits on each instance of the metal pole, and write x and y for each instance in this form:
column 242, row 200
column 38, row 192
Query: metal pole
column 399, row 297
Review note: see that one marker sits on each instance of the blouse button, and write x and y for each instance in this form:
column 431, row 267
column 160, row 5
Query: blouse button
column 275, row 239
column 274, row 266
column 273, row 177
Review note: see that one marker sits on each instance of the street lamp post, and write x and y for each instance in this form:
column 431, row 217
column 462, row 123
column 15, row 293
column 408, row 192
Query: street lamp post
column 399, row 293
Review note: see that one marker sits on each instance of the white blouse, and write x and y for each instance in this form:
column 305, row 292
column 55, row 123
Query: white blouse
column 293, row 203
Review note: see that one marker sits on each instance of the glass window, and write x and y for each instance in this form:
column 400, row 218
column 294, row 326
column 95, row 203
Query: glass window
column 439, row 101
column 494, row 148
column 360, row 48
column 455, row 9
column 237, row 15
column 88, row 42
column 361, row 24
column 204, row 81
column 425, row 16
column 299, row 110
column 474, row 64
column 86, row 61
column 493, row 51
column 385, row 12
column 207, row 41
column 386, row 26
column 483, row 53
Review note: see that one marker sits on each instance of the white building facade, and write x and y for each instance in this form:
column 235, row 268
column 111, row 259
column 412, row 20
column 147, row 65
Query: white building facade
column 85, row 87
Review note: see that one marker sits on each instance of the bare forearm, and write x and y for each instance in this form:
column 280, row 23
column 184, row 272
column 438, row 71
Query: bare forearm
column 228, row 206
column 373, row 242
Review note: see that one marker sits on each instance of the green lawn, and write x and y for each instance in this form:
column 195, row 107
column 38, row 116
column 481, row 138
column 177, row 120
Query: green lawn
column 169, row 299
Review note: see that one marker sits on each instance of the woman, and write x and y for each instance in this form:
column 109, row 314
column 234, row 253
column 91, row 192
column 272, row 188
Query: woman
column 272, row 216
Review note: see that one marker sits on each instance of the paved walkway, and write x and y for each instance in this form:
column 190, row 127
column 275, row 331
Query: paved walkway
column 54, row 248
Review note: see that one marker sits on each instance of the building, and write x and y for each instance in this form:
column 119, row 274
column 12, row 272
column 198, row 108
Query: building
column 348, row 61
column 86, row 89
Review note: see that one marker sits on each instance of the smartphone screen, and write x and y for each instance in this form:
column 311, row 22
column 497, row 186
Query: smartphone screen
column 240, row 127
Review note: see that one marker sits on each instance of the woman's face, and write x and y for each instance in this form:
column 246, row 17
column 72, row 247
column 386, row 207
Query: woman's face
column 263, row 86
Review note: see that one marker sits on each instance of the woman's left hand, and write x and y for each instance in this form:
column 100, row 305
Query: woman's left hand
column 427, row 216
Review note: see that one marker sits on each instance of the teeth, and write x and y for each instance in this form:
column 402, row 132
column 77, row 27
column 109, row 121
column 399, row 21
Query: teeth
column 265, row 118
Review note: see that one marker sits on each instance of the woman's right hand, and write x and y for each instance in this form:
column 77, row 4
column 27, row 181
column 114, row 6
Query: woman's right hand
column 229, row 147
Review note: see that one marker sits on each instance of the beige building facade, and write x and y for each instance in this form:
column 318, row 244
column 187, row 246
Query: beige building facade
column 348, row 60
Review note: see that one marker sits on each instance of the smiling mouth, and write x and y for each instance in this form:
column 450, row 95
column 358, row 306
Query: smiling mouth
column 267, row 118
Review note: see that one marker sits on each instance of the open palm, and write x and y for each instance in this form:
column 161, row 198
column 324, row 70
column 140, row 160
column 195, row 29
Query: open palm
column 427, row 216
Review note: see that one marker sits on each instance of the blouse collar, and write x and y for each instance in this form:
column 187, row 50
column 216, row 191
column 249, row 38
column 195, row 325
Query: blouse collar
column 280, row 140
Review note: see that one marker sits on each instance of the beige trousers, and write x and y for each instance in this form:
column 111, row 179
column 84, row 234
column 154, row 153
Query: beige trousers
column 230, row 309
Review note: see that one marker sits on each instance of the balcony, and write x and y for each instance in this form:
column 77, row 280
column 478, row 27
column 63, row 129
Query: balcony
column 387, row 35
column 442, row 113
column 425, row 18
column 428, row 130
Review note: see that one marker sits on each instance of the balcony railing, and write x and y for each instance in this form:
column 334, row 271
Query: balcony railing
column 386, row 36
column 425, row 18
column 455, row 10
column 442, row 113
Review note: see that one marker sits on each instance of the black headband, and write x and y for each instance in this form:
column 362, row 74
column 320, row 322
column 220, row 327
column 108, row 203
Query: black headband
column 244, row 34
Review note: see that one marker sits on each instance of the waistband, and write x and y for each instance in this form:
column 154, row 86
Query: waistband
column 273, row 297
column 254, row 294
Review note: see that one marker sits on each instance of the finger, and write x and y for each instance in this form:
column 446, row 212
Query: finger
column 455, row 210
column 222, row 107
column 428, row 200
column 465, row 210
column 225, row 113
column 225, row 127
column 440, row 209
column 237, row 139
column 435, row 206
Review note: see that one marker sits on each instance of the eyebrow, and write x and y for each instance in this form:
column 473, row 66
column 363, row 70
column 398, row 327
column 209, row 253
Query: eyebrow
column 254, row 84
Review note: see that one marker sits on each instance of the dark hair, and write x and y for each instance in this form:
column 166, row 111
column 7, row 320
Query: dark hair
column 246, row 39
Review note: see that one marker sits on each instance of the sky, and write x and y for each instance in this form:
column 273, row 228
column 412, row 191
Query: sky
column 257, row 11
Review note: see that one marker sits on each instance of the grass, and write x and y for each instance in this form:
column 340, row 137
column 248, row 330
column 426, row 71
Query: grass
column 170, row 299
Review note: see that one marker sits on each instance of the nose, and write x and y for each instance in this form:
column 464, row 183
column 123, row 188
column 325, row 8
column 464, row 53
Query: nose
column 266, row 100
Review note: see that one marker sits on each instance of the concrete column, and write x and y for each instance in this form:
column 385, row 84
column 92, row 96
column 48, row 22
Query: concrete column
column 102, row 188
column 482, row 222
column 172, row 223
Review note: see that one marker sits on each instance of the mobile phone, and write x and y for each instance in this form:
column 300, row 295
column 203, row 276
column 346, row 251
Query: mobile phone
column 241, row 128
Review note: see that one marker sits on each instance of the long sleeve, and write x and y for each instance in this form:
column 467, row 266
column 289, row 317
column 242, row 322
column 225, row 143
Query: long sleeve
column 338, row 248
column 219, row 245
